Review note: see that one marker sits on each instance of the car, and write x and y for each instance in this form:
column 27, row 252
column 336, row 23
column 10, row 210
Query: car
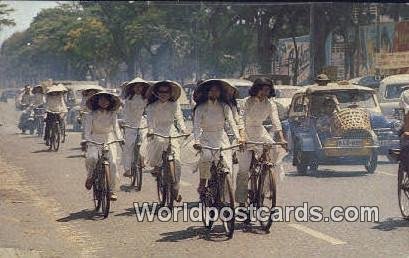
column 355, row 142
column 390, row 90
column 284, row 94
column 8, row 94
column 371, row 81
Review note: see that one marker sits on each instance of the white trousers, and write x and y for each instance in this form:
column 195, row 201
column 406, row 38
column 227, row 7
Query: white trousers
column 91, row 158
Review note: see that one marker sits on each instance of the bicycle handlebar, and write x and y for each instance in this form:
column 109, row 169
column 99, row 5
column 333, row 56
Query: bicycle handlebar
column 132, row 127
column 103, row 143
column 221, row 148
column 265, row 144
column 168, row 136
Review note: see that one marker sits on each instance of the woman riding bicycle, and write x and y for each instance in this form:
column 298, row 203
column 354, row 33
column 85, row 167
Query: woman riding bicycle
column 256, row 109
column 102, row 126
column 164, row 116
column 211, row 112
column 135, row 103
column 38, row 96
column 56, row 108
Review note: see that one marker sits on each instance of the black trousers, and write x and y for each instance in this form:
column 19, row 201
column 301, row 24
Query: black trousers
column 50, row 118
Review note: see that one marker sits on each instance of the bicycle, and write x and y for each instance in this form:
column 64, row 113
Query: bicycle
column 214, row 193
column 136, row 165
column 263, row 189
column 403, row 180
column 39, row 120
column 101, row 178
column 55, row 131
column 166, row 179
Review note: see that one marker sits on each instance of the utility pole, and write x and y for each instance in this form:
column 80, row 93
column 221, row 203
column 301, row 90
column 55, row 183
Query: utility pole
column 312, row 48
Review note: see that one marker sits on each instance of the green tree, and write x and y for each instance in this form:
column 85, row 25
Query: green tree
column 5, row 11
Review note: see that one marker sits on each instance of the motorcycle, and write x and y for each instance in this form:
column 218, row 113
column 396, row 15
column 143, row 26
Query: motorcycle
column 27, row 121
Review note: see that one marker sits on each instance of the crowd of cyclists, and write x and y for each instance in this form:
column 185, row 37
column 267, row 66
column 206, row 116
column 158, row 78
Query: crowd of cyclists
column 154, row 109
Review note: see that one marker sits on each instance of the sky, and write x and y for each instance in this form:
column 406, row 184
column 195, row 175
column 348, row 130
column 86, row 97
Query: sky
column 24, row 12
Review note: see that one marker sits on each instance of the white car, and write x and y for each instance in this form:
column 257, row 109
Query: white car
column 284, row 95
column 390, row 91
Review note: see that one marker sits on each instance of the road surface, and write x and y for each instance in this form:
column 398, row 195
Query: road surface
column 45, row 211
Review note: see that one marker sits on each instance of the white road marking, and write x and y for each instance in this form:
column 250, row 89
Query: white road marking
column 388, row 174
column 317, row 234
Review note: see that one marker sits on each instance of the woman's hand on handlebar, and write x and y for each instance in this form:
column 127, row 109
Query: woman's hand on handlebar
column 197, row 146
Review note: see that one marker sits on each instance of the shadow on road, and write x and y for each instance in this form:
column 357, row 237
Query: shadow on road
column 130, row 212
column 82, row 215
column 75, row 156
column 128, row 188
column 41, row 151
column 391, row 224
column 328, row 173
column 249, row 228
column 25, row 136
column 216, row 234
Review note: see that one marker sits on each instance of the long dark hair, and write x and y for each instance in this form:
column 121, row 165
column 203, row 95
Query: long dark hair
column 95, row 106
column 129, row 93
column 154, row 96
column 203, row 96
column 259, row 83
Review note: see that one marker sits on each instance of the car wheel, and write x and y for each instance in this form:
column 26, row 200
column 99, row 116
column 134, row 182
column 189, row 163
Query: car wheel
column 372, row 163
column 302, row 165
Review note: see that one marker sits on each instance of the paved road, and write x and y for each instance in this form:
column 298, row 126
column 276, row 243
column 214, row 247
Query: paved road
column 46, row 211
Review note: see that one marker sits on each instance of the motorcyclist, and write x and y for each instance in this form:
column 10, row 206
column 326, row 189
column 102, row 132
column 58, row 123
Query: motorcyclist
column 25, row 100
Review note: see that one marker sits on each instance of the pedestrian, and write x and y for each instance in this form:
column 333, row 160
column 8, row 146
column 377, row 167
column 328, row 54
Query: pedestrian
column 322, row 80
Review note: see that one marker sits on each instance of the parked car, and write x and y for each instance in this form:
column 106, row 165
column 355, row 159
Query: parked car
column 312, row 147
column 390, row 90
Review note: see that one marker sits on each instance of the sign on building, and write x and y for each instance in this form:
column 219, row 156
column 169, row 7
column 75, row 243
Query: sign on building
column 396, row 60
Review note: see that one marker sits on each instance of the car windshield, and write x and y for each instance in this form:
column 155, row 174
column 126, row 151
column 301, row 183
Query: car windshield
column 346, row 99
column 285, row 93
column 393, row 91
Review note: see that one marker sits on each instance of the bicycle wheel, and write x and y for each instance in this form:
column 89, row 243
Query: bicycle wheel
column 51, row 136
column 136, row 171
column 225, row 185
column 403, row 192
column 171, row 181
column 62, row 130
column 97, row 197
column 252, row 194
column 161, row 188
column 208, row 200
column 55, row 142
column 267, row 197
column 105, row 197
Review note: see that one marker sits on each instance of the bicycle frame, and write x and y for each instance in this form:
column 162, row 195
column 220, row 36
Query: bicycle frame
column 167, row 189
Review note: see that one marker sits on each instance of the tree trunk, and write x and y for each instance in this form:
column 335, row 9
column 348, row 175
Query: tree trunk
column 319, row 35
column 296, row 62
